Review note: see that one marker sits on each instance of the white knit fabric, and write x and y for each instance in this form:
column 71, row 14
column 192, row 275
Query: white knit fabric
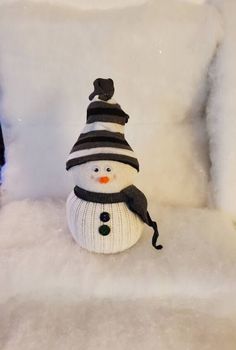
column 121, row 176
column 112, row 127
column 84, row 221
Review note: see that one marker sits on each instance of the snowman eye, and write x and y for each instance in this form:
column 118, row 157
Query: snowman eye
column 96, row 169
column 108, row 170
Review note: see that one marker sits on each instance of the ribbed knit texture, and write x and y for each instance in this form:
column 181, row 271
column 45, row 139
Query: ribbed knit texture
column 98, row 142
column 84, row 221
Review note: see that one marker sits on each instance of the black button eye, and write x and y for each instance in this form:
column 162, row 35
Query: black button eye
column 96, row 170
column 108, row 170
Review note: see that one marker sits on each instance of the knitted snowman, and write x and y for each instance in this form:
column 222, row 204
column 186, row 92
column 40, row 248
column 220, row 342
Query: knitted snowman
column 105, row 211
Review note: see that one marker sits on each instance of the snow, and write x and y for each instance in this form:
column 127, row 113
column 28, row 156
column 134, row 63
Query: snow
column 87, row 4
column 58, row 295
column 103, row 324
column 221, row 116
column 40, row 254
column 95, row 4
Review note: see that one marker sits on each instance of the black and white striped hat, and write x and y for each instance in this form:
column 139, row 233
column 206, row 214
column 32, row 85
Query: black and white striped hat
column 103, row 135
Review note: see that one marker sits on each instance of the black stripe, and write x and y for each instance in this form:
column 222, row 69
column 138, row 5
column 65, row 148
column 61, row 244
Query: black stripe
column 109, row 111
column 105, row 133
column 103, row 104
column 106, row 119
column 89, row 145
column 97, row 197
column 103, row 156
column 101, row 139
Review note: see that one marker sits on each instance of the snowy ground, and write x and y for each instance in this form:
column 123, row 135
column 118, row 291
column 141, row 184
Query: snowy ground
column 120, row 325
column 59, row 296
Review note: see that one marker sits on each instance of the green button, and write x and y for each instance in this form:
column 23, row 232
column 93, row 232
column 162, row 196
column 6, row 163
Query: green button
column 104, row 230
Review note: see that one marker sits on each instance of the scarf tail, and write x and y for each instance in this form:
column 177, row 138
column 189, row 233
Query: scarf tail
column 155, row 236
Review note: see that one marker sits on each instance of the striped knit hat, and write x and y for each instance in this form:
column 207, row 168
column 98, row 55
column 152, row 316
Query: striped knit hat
column 103, row 135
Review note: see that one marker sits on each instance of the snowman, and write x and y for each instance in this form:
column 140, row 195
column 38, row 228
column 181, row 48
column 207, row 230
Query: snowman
column 105, row 211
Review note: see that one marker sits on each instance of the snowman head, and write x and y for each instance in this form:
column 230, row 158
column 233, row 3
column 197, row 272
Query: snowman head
column 103, row 176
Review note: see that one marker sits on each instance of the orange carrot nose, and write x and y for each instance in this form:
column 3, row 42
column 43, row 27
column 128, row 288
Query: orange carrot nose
column 104, row 179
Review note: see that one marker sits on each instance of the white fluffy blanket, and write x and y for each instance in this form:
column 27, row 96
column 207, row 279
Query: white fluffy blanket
column 55, row 295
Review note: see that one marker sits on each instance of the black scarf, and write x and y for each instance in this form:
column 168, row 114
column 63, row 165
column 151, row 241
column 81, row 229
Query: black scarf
column 132, row 196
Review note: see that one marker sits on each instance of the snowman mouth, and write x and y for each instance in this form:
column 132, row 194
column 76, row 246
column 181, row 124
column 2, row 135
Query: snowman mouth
column 103, row 179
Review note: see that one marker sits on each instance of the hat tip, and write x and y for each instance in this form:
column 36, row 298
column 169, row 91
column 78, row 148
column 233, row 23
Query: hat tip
column 103, row 88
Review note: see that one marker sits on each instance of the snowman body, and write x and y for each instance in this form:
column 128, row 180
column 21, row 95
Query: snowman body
column 102, row 227
column 108, row 226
